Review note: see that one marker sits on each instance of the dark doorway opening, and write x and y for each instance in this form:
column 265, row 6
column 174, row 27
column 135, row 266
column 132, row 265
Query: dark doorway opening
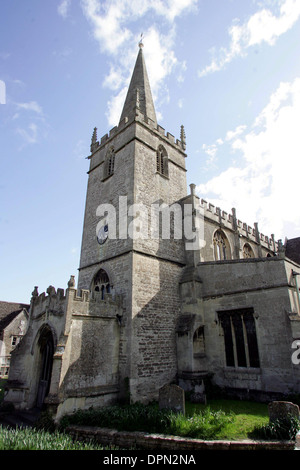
column 47, row 350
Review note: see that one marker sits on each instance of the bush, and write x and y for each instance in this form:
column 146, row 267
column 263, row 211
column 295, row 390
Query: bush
column 280, row 429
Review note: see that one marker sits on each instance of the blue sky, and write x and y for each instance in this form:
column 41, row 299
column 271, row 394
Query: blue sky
column 228, row 70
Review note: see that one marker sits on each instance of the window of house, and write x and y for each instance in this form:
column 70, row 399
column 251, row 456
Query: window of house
column 162, row 161
column 101, row 283
column 221, row 246
column 241, row 348
column 247, row 251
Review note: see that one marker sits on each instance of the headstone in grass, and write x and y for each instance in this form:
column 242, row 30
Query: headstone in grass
column 282, row 409
column 172, row 397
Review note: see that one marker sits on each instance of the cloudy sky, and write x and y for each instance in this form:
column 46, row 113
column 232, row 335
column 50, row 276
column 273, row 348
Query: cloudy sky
column 228, row 70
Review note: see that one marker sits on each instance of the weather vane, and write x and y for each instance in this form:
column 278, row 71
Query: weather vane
column 141, row 40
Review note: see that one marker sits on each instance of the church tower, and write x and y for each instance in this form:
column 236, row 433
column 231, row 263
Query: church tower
column 135, row 170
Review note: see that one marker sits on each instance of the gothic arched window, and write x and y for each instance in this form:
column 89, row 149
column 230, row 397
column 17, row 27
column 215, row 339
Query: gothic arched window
column 247, row 251
column 109, row 165
column 101, row 283
column 221, row 246
column 162, row 161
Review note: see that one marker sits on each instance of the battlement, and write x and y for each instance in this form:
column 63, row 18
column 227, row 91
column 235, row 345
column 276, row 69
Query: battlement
column 83, row 295
column 78, row 303
column 139, row 117
column 231, row 222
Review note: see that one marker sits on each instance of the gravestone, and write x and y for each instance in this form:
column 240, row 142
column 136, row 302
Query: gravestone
column 172, row 397
column 198, row 395
column 282, row 409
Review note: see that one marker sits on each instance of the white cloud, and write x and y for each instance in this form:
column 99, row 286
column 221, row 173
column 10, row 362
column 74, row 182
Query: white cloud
column 264, row 187
column 232, row 134
column 63, row 8
column 263, row 26
column 31, row 106
column 116, row 23
column 30, row 135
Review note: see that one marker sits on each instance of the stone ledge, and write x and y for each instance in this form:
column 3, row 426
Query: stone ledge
column 146, row 441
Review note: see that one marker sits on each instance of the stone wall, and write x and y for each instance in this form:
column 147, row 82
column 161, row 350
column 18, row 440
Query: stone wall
column 156, row 306
column 262, row 285
column 159, row 442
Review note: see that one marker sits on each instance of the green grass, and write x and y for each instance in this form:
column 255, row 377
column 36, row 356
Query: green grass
column 246, row 416
column 31, row 439
column 219, row 419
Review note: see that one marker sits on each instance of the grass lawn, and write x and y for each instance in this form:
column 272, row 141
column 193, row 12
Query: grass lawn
column 219, row 419
column 245, row 416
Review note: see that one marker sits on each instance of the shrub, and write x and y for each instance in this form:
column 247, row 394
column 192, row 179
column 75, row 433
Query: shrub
column 279, row 429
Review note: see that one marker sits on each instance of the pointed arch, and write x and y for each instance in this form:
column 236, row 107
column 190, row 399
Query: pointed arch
column 221, row 246
column 45, row 343
column 109, row 164
column 162, row 166
column 248, row 251
column 101, row 283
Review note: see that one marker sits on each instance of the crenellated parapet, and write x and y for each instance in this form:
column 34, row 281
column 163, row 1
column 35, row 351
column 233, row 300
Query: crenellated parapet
column 231, row 222
column 144, row 120
column 60, row 302
column 50, row 303
column 93, row 304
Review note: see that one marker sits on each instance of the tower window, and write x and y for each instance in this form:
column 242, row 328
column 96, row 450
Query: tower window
column 241, row 348
column 101, row 283
column 162, row 161
column 109, row 164
column 221, row 246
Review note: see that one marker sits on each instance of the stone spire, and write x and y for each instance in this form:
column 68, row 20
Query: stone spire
column 139, row 92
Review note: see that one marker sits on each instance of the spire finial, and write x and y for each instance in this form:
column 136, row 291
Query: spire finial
column 141, row 41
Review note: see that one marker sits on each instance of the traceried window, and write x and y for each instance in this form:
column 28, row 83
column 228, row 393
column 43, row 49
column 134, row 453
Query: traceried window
column 241, row 348
column 247, row 251
column 101, row 283
column 221, row 246
column 162, row 161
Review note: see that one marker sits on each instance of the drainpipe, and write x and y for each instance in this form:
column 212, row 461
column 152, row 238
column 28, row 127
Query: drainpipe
column 294, row 274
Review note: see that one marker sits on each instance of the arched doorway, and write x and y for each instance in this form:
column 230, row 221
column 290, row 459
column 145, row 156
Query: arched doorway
column 46, row 348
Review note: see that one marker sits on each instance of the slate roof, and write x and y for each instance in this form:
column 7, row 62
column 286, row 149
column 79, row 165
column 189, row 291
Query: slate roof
column 292, row 250
column 9, row 311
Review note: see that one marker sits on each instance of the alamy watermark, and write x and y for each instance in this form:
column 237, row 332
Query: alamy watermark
column 160, row 221
column 2, row 92
column 296, row 354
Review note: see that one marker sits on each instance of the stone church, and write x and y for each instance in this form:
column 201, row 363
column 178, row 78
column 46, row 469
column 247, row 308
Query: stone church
column 170, row 288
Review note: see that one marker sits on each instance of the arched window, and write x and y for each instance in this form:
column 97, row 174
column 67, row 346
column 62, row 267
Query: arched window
column 109, row 165
column 221, row 246
column 247, row 251
column 162, row 161
column 101, row 283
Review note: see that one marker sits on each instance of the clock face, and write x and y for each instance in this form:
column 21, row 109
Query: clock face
column 102, row 234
